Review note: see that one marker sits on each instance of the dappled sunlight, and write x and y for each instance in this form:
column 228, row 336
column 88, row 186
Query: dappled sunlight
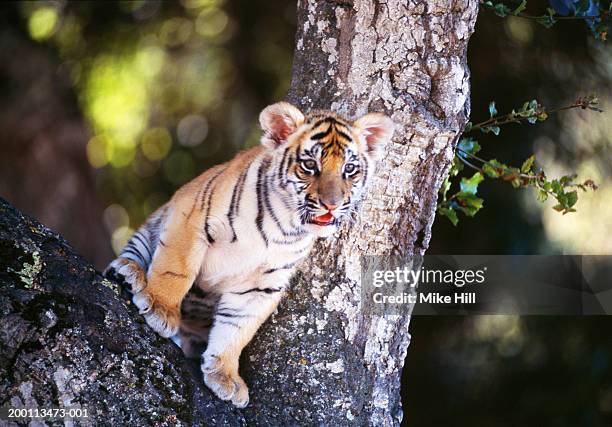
column 588, row 230
column 159, row 97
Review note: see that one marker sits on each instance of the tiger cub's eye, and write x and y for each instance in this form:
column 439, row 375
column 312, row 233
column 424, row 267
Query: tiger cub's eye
column 349, row 168
column 309, row 164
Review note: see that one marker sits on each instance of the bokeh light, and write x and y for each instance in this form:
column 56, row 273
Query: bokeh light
column 43, row 22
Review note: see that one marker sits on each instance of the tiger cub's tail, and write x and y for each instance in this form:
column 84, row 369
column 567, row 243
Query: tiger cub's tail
column 136, row 257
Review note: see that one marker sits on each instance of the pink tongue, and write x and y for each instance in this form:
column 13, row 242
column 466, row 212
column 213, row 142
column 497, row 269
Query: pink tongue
column 324, row 218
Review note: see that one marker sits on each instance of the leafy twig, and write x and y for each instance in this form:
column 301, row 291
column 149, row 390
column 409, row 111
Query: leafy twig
column 531, row 111
column 465, row 200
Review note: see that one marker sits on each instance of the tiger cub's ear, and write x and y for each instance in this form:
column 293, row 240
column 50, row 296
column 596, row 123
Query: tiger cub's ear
column 278, row 121
column 377, row 130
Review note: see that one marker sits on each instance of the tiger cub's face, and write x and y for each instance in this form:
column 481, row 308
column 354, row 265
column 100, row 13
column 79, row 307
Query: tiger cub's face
column 323, row 162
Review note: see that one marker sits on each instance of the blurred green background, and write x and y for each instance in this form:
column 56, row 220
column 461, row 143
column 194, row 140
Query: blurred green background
column 108, row 107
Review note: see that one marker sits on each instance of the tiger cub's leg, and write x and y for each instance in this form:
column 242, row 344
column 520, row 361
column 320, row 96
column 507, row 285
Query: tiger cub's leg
column 197, row 313
column 175, row 264
column 237, row 318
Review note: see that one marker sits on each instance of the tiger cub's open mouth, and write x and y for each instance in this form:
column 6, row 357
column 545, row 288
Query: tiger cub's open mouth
column 325, row 219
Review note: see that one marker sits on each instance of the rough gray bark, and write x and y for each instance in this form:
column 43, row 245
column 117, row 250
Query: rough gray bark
column 66, row 336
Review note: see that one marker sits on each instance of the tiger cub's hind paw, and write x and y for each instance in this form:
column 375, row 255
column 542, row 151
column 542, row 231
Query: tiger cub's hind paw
column 131, row 272
column 226, row 385
column 164, row 320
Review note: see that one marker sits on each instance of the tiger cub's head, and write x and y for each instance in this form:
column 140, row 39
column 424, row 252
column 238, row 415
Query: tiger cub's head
column 322, row 161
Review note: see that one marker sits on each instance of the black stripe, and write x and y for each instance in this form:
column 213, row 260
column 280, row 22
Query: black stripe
column 227, row 323
column 207, row 187
column 323, row 134
column 153, row 226
column 285, row 181
column 225, row 307
column 263, row 167
column 281, row 171
column 230, row 315
column 195, row 202
column 284, row 267
column 265, row 290
column 134, row 252
column 268, row 206
column 209, row 205
column 239, row 199
column 325, row 120
column 140, row 238
column 235, row 202
column 343, row 135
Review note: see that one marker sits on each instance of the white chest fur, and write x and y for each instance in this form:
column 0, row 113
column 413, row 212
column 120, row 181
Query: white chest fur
column 268, row 238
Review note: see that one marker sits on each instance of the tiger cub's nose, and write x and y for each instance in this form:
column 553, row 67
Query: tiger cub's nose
column 330, row 206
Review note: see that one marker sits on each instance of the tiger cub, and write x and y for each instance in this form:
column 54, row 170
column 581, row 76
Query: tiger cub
column 213, row 262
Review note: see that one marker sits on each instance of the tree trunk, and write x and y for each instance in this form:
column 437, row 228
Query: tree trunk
column 336, row 365
column 66, row 338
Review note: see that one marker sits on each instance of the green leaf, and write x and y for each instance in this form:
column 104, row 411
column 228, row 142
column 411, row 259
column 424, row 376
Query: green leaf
column 456, row 167
column 493, row 129
column 501, row 10
column 521, row 7
column 493, row 168
column 468, row 203
column 450, row 214
column 542, row 196
column 492, row 109
column 556, row 187
column 468, row 145
column 490, row 171
column 567, row 179
column 446, row 185
column 471, row 185
column 527, row 164
column 571, row 198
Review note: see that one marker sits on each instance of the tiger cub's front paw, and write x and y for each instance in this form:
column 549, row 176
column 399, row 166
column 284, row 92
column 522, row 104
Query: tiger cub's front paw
column 130, row 271
column 162, row 318
column 224, row 382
